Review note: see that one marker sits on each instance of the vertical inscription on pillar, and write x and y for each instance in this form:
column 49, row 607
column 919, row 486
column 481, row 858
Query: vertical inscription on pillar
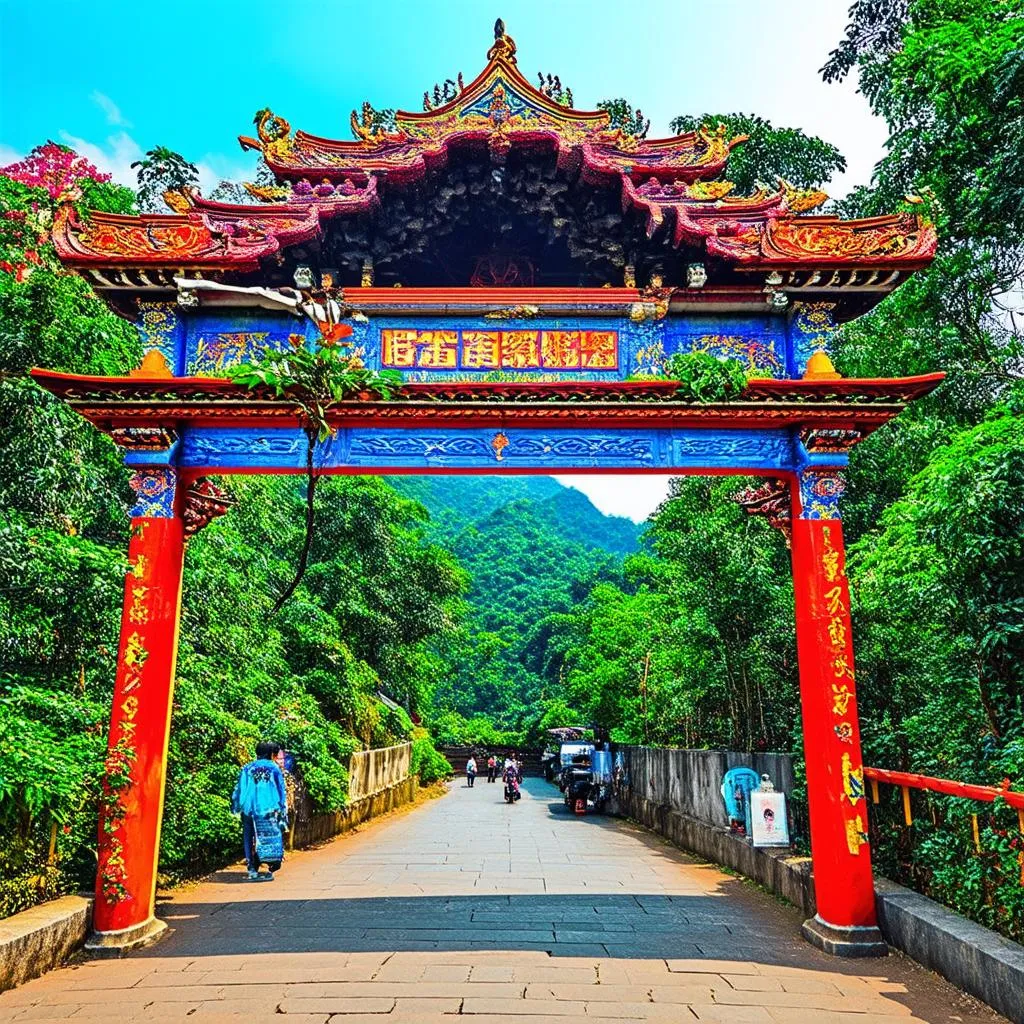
column 122, row 754
column 132, row 799
column 844, row 709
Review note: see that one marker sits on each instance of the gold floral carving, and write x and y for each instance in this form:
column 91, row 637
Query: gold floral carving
column 842, row 241
column 801, row 200
column 175, row 240
column 705, row 191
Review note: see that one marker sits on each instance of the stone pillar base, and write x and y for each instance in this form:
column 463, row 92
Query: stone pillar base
column 854, row 941
column 115, row 944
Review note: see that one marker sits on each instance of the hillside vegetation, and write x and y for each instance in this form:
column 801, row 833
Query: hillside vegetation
column 496, row 609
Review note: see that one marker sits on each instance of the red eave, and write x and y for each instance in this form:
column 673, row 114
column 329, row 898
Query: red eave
column 862, row 405
column 763, row 389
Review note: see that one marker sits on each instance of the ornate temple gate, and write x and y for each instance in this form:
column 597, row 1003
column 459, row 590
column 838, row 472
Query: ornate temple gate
column 563, row 373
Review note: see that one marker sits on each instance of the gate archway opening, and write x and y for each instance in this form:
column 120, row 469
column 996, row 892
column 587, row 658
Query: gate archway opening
column 498, row 379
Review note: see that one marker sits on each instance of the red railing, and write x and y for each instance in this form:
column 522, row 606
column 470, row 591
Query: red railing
column 909, row 780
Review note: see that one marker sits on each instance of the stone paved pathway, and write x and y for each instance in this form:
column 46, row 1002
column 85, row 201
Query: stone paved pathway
column 464, row 907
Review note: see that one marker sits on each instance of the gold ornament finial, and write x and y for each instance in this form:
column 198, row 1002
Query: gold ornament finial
column 154, row 365
column 178, row 200
column 819, row 367
column 504, row 45
column 499, row 443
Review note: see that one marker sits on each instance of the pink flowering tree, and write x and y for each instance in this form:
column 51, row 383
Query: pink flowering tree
column 31, row 189
column 56, row 169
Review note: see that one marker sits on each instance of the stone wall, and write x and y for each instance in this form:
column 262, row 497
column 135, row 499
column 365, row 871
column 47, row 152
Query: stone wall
column 372, row 771
column 690, row 781
column 379, row 781
column 40, row 938
column 678, row 793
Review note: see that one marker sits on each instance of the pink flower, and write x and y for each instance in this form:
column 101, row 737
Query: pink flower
column 54, row 168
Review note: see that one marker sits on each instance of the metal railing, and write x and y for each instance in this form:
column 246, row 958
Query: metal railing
column 953, row 841
column 965, row 790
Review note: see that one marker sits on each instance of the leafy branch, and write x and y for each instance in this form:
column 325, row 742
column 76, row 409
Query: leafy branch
column 315, row 379
column 701, row 376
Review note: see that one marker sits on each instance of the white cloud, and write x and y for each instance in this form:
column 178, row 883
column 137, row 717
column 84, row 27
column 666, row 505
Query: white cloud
column 9, row 155
column 117, row 152
column 215, row 168
column 113, row 157
column 633, row 495
column 111, row 109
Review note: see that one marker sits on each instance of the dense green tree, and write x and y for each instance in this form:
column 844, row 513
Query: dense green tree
column 769, row 153
column 697, row 649
column 309, row 679
column 162, row 170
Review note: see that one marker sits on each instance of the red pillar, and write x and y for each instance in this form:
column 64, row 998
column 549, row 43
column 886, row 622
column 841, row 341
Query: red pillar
column 845, row 923
column 136, row 768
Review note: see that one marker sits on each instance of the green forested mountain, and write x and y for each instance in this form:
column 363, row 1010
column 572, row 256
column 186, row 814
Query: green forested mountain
column 455, row 502
column 531, row 548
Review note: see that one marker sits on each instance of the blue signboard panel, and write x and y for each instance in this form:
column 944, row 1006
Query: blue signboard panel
column 482, row 348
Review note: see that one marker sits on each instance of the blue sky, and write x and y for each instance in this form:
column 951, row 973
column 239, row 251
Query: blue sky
column 115, row 79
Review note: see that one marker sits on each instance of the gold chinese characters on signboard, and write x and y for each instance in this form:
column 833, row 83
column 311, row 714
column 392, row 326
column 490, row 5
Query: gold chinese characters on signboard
column 411, row 347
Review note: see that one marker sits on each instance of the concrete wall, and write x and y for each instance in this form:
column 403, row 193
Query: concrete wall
column 372, row 771
column 379, row 781
column 316, row 828
column 677, row 794
column 690, row 781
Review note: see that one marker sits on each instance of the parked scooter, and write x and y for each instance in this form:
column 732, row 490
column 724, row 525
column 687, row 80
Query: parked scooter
column 587, row 780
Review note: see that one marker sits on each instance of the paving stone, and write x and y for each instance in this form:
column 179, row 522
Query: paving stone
column 536, row 1007
column 713, row 1014
column 548, row 918
column 336, row 1004
column 756, row 983
column 586, row 993
column 569, row 974
column 419, row 1007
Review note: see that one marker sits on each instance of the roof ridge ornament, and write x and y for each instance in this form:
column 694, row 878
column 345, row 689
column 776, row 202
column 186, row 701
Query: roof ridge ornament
column 504, row 47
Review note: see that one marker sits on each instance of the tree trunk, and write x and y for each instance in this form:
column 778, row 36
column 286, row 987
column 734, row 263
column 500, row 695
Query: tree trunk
column 307, row 541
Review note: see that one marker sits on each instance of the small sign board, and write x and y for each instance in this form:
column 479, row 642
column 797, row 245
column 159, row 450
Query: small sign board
column 768, row 819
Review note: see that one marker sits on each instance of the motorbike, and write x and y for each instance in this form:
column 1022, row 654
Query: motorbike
column 587, row 780
column 576, row 788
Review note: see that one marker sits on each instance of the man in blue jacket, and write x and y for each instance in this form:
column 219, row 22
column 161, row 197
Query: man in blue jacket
column 261, row 799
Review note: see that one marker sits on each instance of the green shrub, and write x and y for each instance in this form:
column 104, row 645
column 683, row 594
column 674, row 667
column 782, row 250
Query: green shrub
column 25, row 891
column 705, row 378
column 427, row 762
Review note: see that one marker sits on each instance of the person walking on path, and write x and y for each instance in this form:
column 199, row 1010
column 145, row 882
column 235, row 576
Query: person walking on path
column 470, row 771
column 262, row 801
column 492, row 768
